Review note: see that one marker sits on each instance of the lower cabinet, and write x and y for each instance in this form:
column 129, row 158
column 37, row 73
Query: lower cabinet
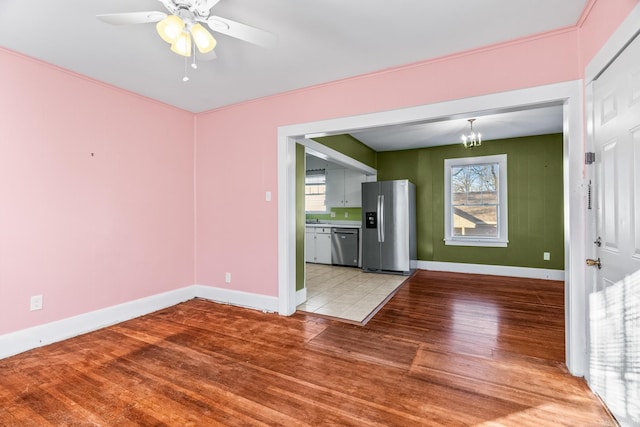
column 317, row 245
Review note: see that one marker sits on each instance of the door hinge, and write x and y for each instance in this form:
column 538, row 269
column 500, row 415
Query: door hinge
column 589, row 157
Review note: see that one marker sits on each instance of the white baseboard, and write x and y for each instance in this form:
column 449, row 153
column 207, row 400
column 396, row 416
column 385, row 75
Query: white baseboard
column 301, row 296
column 41, row 335
column 38, row 336
column 497, row 270
column 239, row 298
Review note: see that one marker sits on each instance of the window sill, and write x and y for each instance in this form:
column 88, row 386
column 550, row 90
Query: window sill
column 477, row 242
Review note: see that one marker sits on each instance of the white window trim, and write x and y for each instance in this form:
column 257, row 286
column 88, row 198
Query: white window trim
column 327, row 209
column 502, row 239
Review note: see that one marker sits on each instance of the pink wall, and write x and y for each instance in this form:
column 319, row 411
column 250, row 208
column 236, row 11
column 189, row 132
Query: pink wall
column 86, row 231
column 89, row 232
column 599, row 20
column 236, row 146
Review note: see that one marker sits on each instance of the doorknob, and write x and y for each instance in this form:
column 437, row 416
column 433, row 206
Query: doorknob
column 592, row 262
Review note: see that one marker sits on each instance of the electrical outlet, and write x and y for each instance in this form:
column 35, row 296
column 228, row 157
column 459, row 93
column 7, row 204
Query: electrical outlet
column 333, row 214
column 547, row 256
column 227, row 277
column 346, row 214
column 36, row 303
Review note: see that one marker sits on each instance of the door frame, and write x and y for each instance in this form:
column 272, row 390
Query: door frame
column 624, row 34
column 568, row 93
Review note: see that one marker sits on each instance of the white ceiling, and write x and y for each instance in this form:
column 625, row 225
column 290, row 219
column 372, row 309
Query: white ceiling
column 319, row 41
column 529, row 121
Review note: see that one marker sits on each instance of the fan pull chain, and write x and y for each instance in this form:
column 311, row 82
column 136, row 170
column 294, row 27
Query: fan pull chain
column 193, row 64
column 185, row 78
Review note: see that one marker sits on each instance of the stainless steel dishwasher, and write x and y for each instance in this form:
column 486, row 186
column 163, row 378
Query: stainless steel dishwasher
column 344, row 246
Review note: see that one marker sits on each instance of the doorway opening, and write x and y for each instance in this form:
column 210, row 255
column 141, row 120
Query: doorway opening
column 334, row 283
column 569, row 94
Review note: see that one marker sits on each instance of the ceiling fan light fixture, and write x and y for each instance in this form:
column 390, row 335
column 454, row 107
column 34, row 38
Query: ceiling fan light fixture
column 182, row 45
column 202, row 38
column 170, row 28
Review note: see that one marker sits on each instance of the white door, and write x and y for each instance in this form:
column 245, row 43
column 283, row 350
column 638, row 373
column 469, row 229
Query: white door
column 614, row 297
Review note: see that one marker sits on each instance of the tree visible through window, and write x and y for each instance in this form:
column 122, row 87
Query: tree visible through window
column 476, row 201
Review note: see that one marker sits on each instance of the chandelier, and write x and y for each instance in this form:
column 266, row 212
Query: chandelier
column 472, row 139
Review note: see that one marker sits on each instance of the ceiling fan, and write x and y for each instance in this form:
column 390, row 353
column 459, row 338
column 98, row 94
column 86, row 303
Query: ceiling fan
column 182, row 27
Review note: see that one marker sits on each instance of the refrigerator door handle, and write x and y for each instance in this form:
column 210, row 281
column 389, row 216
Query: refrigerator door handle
column 381, row 219
column 378, row 218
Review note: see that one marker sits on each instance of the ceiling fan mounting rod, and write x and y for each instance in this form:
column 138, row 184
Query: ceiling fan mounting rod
column 200, row 9
column 187, row 16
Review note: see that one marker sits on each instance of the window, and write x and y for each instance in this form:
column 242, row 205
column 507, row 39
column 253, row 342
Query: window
column 476, row 201
column 315, row 191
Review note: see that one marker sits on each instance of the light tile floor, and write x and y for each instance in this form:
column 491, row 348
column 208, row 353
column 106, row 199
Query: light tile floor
column 347, row 292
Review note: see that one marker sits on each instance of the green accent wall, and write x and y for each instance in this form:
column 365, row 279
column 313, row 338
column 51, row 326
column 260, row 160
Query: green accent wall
column 535, row 200
column 353, row 214
column 350, row 146
column 300, row 215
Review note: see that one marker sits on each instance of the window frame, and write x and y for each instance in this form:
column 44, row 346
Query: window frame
column 324, row 174
column 502, row 239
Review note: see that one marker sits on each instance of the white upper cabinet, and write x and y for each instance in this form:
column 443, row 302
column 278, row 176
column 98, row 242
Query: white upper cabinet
column 335, row 188
column 344, row 188
column 353, row 188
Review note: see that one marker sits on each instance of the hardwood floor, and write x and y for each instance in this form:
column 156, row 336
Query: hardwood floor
column 448, row 349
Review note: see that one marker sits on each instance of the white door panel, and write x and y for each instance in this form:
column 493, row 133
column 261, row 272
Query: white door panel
column 614, row 298
column 635, row 86
column 608, row 207
column 635, row 138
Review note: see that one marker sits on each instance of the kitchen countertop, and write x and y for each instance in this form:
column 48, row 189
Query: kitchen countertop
column 335, row 224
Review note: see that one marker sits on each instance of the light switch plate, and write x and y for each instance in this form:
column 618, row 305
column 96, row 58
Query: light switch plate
column 547, row 256
column 36, row 303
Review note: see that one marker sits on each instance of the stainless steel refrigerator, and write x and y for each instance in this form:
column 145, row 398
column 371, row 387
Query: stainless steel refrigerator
column 388, row 226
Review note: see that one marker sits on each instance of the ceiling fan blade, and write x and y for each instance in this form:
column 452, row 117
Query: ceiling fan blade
column 242, row 31
column 211, row 3
column 132, row 17
column 209, row 56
